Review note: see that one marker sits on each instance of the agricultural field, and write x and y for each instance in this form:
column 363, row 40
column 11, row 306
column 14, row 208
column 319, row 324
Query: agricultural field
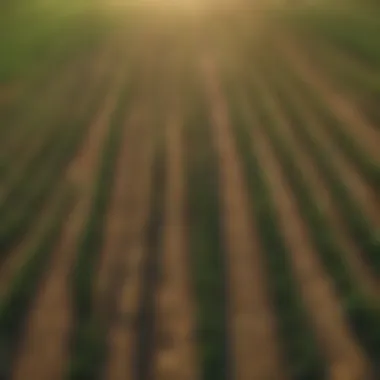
column 189, row 191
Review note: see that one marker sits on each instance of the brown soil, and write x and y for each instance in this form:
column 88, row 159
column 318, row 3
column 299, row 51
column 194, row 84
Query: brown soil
column 252, row 326
column 366, row 135
column 125, row 245
column 44, row 350
column 20, row 253
column 176, row 354
column 345, row 357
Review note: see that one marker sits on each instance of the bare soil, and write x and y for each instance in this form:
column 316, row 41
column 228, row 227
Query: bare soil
column 176, row 352
column 125, row 245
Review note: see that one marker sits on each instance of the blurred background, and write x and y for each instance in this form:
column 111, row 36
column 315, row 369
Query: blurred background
column 189, row 190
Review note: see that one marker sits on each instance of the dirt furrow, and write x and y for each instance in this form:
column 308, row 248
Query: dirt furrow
column 176, row 355
column 342, row 352
column 44, row 352
column 356, row 124
column 123, row 267
column 252, row 323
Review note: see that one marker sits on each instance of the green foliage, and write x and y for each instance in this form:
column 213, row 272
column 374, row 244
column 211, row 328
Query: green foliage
column 362, row 313
column 350, row 28
column 360, row 227
column 38, row 35
column 38, row 179
column 20, row 292
column 297, row 338
column 88, row 335
column 207, row 256
column 336, row 128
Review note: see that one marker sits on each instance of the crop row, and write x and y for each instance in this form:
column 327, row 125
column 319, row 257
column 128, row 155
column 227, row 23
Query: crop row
column 361, row 312
column 362, row 84
column 22, row 205
column 88, row 336
column 296, row 334
column 39, row 108
column 336, row 128
column 21, row 290
column 360, row 227
column 15, row 303
column 350, row 29
column 206, row 252
column 146, row 326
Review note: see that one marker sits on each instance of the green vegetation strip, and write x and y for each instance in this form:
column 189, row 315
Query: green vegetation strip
column 88, row 340
column 207, row 256
column 360, row 227
column 349, row 28
column 15, row 303
column 303, row 356
column 369, row 168
column 22, row 206
column 362, row 84
column 146, row 325
column 362, row 313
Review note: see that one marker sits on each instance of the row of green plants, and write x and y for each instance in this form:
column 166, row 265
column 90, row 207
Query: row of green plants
column 299, row 346
column 206, row 251
column 23, row 137
column 151, row 273
column 88, row 345
column 361, row 83
column 21, row 290
column 362, row 312
column 349, row 28
column 38, row 35
column 15, row 303
column 367, row 166
column 40, row 101
column 359, row 226
column 25, row 203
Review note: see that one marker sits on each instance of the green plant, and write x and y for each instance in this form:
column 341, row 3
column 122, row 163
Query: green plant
column 299, row 346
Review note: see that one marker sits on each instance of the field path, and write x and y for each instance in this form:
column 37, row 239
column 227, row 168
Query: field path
column 252, row 326
column 125, row 245
column 176, row 354
column 44, row 351
column 344, row 356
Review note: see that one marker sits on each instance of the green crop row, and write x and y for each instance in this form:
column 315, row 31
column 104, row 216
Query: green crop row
column 40, row 116
column 25, row 149
column 336, row 128
column 21, row 207
column 20, row 292
column 360, row 227
column 301, row 351
column 362, row 313
column 146, row 329
column 363, row 85
column 349, row 28
column 207, row 256
column 88, row 339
